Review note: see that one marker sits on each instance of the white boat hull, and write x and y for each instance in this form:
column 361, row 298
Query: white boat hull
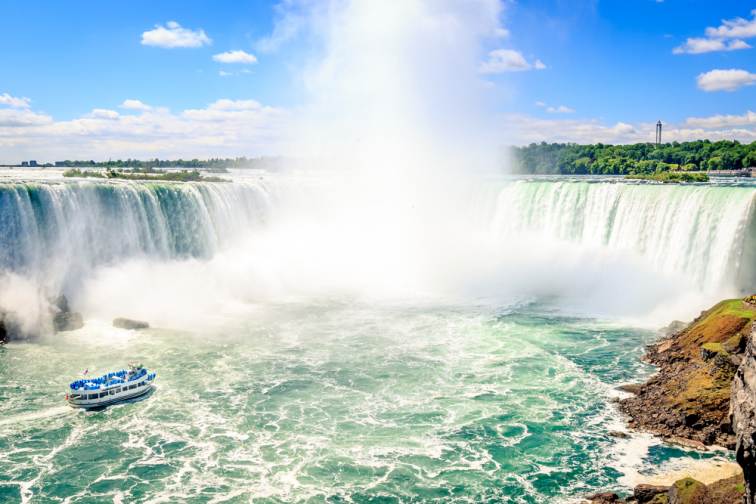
column 112, row 395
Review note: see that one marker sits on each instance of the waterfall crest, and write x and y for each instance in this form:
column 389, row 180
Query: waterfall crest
column 56, row 232
column 703, row 233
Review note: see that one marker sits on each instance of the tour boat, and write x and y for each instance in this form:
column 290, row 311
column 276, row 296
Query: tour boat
column 110, row 388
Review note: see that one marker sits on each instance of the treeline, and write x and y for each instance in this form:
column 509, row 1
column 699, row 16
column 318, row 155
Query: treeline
column 209, row 164
column 601, row 159
column 143, row 174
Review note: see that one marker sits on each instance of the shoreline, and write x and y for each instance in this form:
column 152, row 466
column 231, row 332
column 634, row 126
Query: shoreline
column 689, row 402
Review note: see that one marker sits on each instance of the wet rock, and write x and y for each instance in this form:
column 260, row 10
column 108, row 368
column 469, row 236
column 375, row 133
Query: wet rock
column 61, row 303
column 743, row 417
column 63, row 318
column 689, row 491
column 687, row 443
column 619, row 434
column 604, row 498
column 645, row 493
column 67, row 321
column 632, row 388
column 3, row 329
column 125, row 323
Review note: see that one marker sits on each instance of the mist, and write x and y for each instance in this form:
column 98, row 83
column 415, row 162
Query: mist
column 397, row 196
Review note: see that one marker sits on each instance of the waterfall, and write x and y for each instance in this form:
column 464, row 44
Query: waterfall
column 56, row 232
column 131, row 245
column 704, row 233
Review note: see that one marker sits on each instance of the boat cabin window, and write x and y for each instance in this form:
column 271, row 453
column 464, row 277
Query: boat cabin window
column 92, row 396
column 132, row 387
column 103, row 394
column 141, row 383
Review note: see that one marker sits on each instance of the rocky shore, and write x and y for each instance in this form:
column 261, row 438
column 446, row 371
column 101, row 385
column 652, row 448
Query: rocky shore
column 689, row 397
column 703, row 394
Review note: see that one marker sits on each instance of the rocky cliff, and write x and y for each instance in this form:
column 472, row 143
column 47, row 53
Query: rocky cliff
column 704, row 393
column 743, row 417
column 689, row 398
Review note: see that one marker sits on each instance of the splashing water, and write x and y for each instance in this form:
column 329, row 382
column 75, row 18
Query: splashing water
column 377, row 326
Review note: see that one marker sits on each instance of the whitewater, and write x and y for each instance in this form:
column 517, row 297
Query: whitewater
column 301, row 362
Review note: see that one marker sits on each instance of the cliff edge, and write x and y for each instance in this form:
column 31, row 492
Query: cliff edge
column 688, row 400
column 743, row 417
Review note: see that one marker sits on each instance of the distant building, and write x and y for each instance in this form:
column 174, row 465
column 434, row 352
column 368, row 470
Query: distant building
column 60, row 164
column 33, row 162
column 658, row 133
column 24, row 163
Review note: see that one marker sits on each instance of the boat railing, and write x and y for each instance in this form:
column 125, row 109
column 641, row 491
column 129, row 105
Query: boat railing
column 114, row 378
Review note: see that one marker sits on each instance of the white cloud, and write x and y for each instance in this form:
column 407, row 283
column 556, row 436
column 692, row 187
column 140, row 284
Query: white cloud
column 704, row 45
column 723, row 121
column 21, row 118
column 292, row 18
column 725, row 80
column 561, row 109
column 134, row 105
column 508, row 60
column 223, row 73
column 524, row 129
column 224, row 128
column 226, row 104
column 14, row 101
column 174, row 35
column 735, row 28
column 726, row 37
column 104, row 114
column 235, row 57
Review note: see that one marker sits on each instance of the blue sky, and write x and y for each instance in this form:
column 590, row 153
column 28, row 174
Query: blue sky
column 582, row 70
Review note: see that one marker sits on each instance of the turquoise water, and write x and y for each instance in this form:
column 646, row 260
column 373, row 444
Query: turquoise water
column 269, row 390
column 331, row 403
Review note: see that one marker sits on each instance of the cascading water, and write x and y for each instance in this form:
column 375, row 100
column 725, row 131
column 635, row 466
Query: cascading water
column 56, row 234
column 85, row 237
column 60, row 231
column 697, row 232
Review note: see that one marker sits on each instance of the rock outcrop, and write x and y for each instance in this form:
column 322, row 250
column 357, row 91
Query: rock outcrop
column 644, row 493
column 3, row 329
column 63, row 318
column 684, row 491
column 704, row 393
column 689, row 398
column 67, row 321
column 125, row 323
column 743, row 417
column 688, row 491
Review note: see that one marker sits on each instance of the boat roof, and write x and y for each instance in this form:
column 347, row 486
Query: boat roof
column 111, row 379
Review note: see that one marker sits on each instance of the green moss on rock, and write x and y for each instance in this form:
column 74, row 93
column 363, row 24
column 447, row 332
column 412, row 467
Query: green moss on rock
column 690, row 396
column 688, row 491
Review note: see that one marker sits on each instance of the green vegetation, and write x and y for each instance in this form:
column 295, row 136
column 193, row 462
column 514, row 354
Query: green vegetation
column 713, row 347
column 670, row 176
column 689, row 491
column 659, row 499
column 217, row 165
column 146, row 174
column 642, row 158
